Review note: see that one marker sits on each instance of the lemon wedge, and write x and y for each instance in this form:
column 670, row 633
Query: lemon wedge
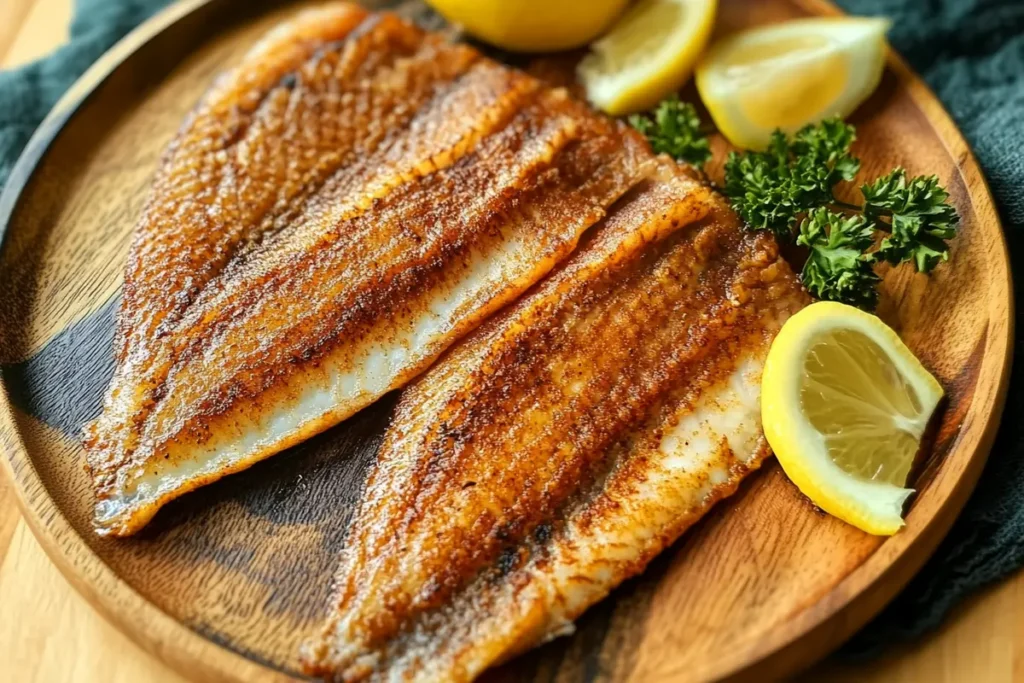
column 844, row 404
column 790, row 74
column 532, row 25
column 649, row 53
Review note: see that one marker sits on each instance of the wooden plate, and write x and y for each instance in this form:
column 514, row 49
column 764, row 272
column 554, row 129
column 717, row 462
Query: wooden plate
column 228, row 580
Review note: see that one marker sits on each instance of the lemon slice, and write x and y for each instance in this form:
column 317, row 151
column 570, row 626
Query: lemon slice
column 532, row 25
column 790, row 74
column 844, row 404
column 648, row 54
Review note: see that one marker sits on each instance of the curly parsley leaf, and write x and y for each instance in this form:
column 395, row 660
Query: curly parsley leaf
column 822, row 159
column 762, row 188
column 675, row 129
column 789, row 187
column 772, row 189
column 919, row 218
column 824, row 151
column 838, row 267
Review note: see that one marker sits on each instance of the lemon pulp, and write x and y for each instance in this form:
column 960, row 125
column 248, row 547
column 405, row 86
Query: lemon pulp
column 640, row 31
column 786, row 75
column 647, row 54
column 794, row 96
column 867, row 413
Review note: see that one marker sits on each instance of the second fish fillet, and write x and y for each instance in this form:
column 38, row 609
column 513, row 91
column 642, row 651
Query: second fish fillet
column 558, row 449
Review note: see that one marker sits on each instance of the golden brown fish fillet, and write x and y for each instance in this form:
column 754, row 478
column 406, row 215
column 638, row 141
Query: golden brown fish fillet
column 560, row 447
column 338, row 209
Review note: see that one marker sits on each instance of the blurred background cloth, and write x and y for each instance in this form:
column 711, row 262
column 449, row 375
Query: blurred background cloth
column 971, row 52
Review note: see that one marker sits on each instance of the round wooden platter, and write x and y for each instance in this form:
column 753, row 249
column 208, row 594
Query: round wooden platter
column 227, row 581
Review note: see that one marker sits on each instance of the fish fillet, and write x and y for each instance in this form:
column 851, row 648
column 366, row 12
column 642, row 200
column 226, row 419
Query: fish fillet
column 560, row 447
column 337, row 210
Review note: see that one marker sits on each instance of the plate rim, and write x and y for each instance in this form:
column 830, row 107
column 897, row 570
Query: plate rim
column 148, row 626
column 825, row 624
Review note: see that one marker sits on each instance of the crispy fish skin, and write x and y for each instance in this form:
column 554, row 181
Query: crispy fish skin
column 559, row 448
column 339, row 209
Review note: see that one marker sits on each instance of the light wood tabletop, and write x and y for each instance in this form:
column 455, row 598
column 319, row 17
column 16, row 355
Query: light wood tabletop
column 50, row 633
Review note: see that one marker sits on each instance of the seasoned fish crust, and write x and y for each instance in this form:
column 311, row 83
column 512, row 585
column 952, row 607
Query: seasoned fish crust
column 556, row 450
column 350, row 200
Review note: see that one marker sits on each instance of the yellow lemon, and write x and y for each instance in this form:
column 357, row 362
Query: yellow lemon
column 648, row 54
column 532, row 25
column 790, row 74
column 844, row 404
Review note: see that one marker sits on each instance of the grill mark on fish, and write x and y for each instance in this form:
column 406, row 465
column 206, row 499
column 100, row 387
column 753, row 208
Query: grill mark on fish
column 339, row 209
column 482, row 407
column 569, row 413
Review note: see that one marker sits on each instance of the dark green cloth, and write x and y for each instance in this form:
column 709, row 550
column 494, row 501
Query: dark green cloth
column 970, row 51
column 28, row 93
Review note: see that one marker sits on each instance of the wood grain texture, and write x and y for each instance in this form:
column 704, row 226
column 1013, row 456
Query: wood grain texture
column 238, row 546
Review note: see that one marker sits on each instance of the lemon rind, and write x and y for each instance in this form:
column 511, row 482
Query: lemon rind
column 875, row 507
column 498, row 25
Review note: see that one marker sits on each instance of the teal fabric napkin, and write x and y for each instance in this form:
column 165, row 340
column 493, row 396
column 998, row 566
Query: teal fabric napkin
column 971, row 52
column 28, row 93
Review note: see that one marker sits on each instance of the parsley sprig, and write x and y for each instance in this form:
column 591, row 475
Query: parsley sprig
column 789, row 189
column 919, row 217
column 838, row 266
column 674, row 129
column 771, row 190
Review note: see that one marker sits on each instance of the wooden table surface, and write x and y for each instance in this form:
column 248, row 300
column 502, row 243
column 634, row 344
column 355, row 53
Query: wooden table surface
column 49, row 633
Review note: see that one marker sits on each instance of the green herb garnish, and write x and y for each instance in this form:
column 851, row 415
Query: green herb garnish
column 789, row 189
column 792, row 186
column 838, row 266
column 675, row 129
column 919, row 219
column 770, row 190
